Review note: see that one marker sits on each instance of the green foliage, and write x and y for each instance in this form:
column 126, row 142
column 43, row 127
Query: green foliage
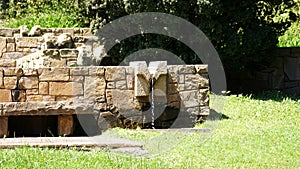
column 46, row 13
column 262, row 132
column 291, row 37
column 244, row 33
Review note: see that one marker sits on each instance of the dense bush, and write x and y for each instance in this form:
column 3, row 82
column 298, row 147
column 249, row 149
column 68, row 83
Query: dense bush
column 291, row 37
column 46, row 13
column 243, row 32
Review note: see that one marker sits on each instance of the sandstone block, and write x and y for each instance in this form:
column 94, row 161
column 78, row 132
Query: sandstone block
column 10, row 82
column 43, row 88
column 186, row 69
column 65, row 88
column 122, row 99
column 68, row 53
column 27, row 42
column 32, row 91
column 115, row 73
column 34, row 98
column 2, row 45
column 12, row 55
column 30, row 72
column 76, row 78
column 7, row 63
column 11, row 47
column 79, row 71
column 53, row 62
column 96, row 71
column 1, row 78
column 10, row 40
column 121, row 85
column 6, row 32
column 189, row 99
column 28, row 83
column 94, row 88
column 48, row 98
column 130, row 81
column 5, row 95
column 10, row 71
column 54, row 74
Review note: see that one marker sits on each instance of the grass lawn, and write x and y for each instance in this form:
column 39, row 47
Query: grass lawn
column 261, row 132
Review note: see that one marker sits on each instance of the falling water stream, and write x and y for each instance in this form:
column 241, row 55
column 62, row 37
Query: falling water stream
column 152, row 104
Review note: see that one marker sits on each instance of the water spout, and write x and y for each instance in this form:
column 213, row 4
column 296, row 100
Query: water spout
column 152, row 104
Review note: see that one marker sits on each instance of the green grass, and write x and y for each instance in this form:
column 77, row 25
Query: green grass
column 261, row 132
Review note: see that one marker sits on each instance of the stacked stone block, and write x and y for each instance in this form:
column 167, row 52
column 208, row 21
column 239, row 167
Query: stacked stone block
column 40, row 77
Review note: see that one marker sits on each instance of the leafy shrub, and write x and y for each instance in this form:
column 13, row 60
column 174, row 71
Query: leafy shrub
column 243, row 32
column 46, row 13
column 291, row 37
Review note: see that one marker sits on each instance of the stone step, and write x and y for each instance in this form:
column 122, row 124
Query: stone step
column 87, row 142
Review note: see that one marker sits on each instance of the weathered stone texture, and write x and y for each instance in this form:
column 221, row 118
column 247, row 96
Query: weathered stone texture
column 10, row 82
column 2, row 46
column 189, row 98
column 28, row 83
column 27, row 42
column 7, row 63
column 10, row 47
column 65, row 88
column 94, row 88
column 12, row 55
column 43, row 88
column 121, row 98
column 1, row 78
column 34, row 98
column 5, row 95
column 115, row 73
column 54, row 74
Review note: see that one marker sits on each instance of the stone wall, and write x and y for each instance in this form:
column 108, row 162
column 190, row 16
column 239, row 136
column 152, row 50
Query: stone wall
column 283, row 74
column 55, row 72
column 113, row 92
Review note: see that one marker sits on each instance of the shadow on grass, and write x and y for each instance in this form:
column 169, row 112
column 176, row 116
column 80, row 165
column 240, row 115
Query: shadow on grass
column 214, row 115
column 275, row 96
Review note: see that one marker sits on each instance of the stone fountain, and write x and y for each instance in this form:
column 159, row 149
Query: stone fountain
column 39, row 77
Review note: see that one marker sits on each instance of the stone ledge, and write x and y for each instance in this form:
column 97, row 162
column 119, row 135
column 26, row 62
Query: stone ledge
column 45, row 108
